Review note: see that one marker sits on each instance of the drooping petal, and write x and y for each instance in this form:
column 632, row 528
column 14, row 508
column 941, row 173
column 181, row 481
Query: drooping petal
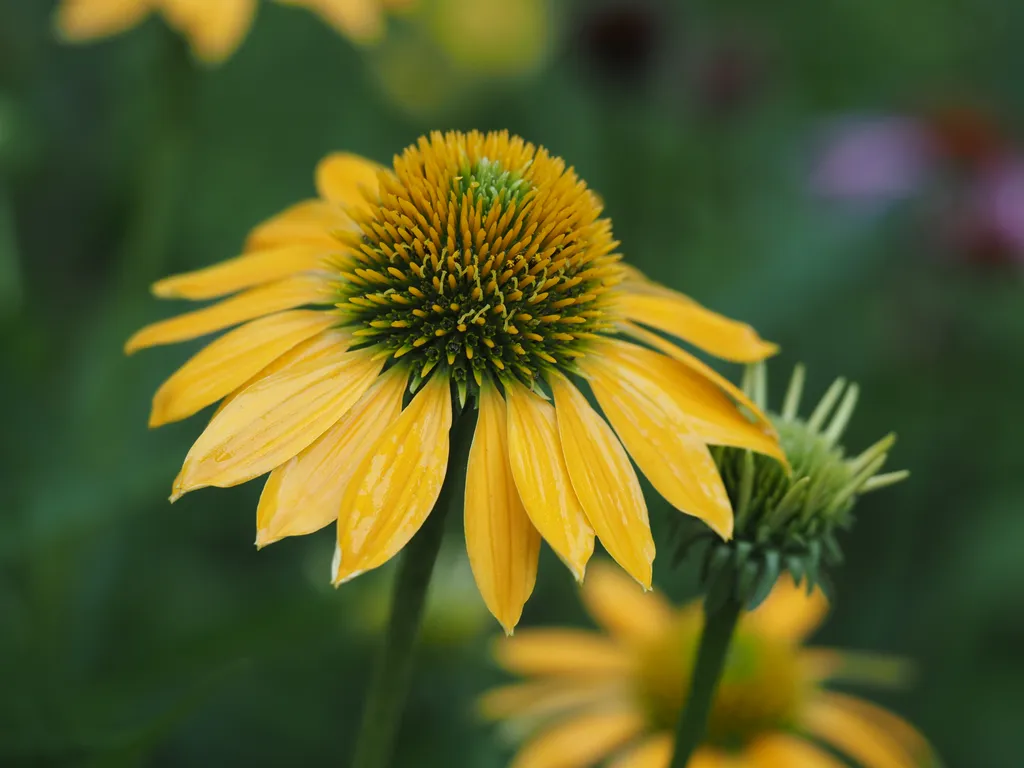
column 285, row 294
column 563, row 653
column 677, row 463
column 279, row 414
column 215, row 30
column 789, row 613
column 604, row 481
column 781, row 750
column 256, row 268
column 310, row 222
column 304, row 494
column 502, row 543
column 544, row 699
column 347, row 179
column 397, row 483
column 630, row 614
column 711, row 415
column 869, row 734
column 697, row 365
column 581, row 741
column 542, row 478
column 688, row 320
column 230, row 361
column 78, row 20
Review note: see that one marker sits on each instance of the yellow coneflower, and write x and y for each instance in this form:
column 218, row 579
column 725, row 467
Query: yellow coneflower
column 214, row 28
column 614, row 700
column 475, row 273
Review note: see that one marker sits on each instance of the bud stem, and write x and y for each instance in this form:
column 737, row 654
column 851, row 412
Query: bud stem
column 719, row 626
column 389, row 688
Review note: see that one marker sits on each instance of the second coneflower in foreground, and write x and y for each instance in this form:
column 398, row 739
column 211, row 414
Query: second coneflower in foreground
column 475, row 274
column 613, row 699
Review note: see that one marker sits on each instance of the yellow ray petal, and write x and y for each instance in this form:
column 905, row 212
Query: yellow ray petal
column 230, row 361
column 279, row 414
column 215, row 30
column 870, row 735
column 703, row 328
column 542, row 478
column 502, row 543
column 308, row 222
column 711, row 415
column 547, row 698
column 397, row 483
column 698, row 366
column 604, row 481
column 581, row 741
column 617, row 603
column 789, row 613
column 347, row 179
column 358, row 20
column 264, row 300
column 563, row 653
column 780, row 750
column 245, row 271
column 78, row 20
column 677, row 463
column 304, row 494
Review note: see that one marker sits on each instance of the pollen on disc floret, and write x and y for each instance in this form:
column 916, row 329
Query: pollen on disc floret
column 483, row 254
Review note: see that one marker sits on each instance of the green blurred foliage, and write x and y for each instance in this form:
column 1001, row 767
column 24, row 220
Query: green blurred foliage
column 134, row 632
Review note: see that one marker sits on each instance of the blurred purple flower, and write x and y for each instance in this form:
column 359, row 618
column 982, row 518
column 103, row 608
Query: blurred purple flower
column 872, row 161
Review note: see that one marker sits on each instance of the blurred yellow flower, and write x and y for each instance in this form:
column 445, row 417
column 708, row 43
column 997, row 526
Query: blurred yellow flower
column 214, row 28
column 475, row 273
column 616, row 697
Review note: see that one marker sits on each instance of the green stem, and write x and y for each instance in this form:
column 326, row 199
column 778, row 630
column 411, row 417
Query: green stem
column 389, row 688
column 719, row 626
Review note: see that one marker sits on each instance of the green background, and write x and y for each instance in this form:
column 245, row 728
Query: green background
column 133, row 632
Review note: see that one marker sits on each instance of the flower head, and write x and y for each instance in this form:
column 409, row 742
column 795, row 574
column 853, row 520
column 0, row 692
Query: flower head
column 474, row 275
column 616, row 697
column 790, row 520
column 214, row 28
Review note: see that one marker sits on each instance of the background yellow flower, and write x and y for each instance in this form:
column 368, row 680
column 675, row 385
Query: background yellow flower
column 214, row 28
column 613, row 698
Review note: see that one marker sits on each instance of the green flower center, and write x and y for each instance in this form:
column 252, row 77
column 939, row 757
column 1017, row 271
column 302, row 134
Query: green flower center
column 483, row 255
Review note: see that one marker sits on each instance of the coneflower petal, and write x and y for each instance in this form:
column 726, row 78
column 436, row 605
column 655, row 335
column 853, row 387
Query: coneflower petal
column 629, row 614
column 228, row 362
column 563, row 653
column 502, row 543
column 279, row 414
column 347, row 179
column 304, row 494
column 581, row 741
column 709, row 413
column 78, row 20
column 255, row 268
column 308, row 222
column 396, row 483
column 604, row 481
column 285, row 294
column 676, row 461
column 215, row 30
column 542, row 478
column 781, row 750
column 688, row 320
column 656, row 751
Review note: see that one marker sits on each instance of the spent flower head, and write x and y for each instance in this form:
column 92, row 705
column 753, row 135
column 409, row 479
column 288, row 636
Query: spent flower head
column 475, row 278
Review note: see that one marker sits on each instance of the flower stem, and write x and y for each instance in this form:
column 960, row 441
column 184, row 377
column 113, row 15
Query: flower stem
column 389, row 688
column 719, row 626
